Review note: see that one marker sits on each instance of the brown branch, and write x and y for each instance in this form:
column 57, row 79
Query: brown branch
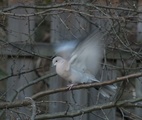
column 84, row 86
column 68, row 4
column 31, row 53
column 49, row 75
column 18, row 74
column 33, row 108
column 125, row 103
column 48, row 11
column 6, row 105
column 50, row 8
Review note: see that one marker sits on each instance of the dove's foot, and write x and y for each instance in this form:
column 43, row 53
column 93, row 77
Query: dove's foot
column 70, row 86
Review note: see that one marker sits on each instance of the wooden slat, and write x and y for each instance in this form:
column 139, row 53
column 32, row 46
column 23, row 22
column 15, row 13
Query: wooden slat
column 19, row 33
column 44, row 50
column 22, row 49
column 138, row 88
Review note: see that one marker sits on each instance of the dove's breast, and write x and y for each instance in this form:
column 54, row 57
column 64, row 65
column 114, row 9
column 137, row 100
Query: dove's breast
column 81, row 77
column 62, row 71
column 68, row 74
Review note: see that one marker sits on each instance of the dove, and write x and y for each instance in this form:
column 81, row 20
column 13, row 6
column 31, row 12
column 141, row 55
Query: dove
column 79, row 62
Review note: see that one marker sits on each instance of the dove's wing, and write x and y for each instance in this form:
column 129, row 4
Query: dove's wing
column 86, row 58
column 88, row 54
column 65, row 49
column 83, row 63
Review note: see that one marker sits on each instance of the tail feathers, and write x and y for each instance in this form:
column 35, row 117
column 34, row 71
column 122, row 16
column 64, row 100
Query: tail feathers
column 108, row 91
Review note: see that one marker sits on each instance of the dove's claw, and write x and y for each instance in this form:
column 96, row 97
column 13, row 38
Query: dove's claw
column 70, row 86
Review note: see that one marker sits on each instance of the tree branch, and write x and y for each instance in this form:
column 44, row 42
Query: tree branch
column 90, row 5
column 50, row 8
column 84, row 86
column 89, row 85
column 125, row 103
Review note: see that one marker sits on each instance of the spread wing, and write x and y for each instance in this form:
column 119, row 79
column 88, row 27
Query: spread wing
column 88, row 53
column 65, row 49
column 84, row 55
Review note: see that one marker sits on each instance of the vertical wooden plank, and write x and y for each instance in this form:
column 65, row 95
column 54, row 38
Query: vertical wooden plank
column 68, row 26
column 139, row 91
column 79, row 98
column 139, row 80
column 127, row 88
column 58, row 33
column 20, row 28
column 106, row 73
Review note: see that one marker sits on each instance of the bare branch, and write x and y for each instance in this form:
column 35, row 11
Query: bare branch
column 33, row 108
column 48, row 92
column 84, row 86
column 125, row 103
column 68, row 4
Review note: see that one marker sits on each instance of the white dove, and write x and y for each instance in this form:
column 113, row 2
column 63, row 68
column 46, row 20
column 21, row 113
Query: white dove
column 79, row 62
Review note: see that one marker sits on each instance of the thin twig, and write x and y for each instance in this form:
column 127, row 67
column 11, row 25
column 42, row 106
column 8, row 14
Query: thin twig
column 33, row 108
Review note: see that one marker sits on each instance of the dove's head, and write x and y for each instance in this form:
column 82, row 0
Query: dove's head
column 62, row 67
column 57, row 60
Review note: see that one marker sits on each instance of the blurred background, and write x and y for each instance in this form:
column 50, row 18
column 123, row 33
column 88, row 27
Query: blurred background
column 28, row 32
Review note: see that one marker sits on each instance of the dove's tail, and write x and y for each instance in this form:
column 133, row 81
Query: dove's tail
column 108, row 91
